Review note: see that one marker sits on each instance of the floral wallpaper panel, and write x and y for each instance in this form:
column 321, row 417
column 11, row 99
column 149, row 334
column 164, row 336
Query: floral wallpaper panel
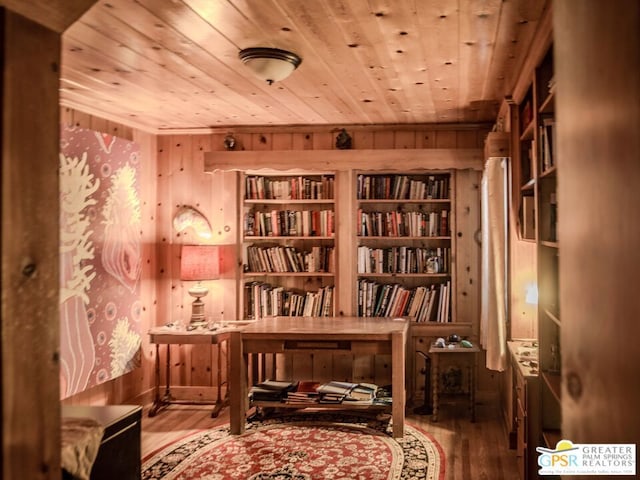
column 100, row 258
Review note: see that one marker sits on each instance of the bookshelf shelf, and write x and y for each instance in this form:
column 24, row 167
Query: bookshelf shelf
column 287, row 274
column 401, row 238
column 404, row 275
column 529, row 186
column 553, row 381
column 551, row 438
column 404, row 244
column 405, row 201
column 289, row 202
column 554, row 317
column 250, row 238
column 548, row 104
column 550, row 171
column 288, row 244
column 527, row 133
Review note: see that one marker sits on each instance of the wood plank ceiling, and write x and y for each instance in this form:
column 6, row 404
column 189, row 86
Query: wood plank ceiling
column 166, row 65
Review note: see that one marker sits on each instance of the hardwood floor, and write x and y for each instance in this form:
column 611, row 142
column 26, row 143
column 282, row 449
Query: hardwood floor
column 474, row 451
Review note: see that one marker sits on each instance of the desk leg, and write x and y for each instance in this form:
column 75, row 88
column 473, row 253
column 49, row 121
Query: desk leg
column 397, row 383
column 472, row 386
column 434, row 385
column 220, row 402
column 156, row 400
column 237, row 385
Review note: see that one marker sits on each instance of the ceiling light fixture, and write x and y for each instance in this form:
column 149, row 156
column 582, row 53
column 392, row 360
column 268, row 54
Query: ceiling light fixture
column 270, row 64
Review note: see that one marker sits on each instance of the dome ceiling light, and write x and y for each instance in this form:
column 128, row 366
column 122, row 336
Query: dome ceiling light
column 270, row 64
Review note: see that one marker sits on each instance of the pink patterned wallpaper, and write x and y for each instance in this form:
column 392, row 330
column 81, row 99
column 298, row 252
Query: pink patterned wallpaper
column 100, row 258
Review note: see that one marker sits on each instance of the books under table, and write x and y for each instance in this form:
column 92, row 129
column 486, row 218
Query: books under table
column 272, row 390
column 336, row 392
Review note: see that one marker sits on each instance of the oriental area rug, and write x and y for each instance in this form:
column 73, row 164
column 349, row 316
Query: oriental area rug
column 301, row 446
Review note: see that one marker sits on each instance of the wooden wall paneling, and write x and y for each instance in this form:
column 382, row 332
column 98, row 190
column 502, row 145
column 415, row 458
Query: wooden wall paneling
column 261, row 141
column 144, row 378
column 342, row 367
column 282, row 141
column 119, row 130
column 226, row 231
column 322, row 367
column 164, row 281
column 597, row 70
column 244, row 141
column 302, row 366
column 446, row 139
column 383, row 139
column 426, row 139
column 467, row 250
column 363, row 369
column 362, row 139
column 468, row 139
column 405, row 139
column 30, row 281
column 182, row 193
column 81, row 119
column 203, row 358
column 98, row 124
column 324, row 140
column 302, row 141
column 382, row 369
column 66, row 116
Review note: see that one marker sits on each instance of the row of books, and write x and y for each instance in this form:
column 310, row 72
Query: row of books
column 403, row 224
column 422, row 303
column 283, row 259
column 403, row 259
column 546, row 136
column 265, row 300
column 283, row 223
column 305, row 392
column 294, row 188
column 402, row 187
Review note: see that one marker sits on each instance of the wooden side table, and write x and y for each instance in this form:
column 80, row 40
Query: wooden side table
column 454, row 349
column 171, row 336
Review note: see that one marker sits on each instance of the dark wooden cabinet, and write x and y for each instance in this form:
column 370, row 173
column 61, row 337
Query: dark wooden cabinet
column 120, row 452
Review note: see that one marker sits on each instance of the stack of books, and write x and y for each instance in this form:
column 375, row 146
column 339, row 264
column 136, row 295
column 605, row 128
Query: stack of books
column 334, row 391
column 272, row 390
column 305, row 393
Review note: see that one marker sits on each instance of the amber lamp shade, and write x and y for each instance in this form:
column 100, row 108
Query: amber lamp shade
column 198, row 263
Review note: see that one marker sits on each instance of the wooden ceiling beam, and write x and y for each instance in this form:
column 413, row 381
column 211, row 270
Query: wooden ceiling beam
column 335, row 160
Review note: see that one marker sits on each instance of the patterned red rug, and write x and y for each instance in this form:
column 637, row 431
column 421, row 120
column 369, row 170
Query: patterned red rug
column 301, row 447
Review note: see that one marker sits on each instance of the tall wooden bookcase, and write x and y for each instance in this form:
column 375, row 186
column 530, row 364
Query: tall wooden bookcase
column 289, row 259
column 404, row 245
column 536, row 182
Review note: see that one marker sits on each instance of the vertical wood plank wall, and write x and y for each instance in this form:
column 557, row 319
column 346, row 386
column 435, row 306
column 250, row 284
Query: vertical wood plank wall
column 29, row 339
column 173, row 176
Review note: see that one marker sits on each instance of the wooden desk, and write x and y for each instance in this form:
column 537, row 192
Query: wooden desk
column 352, row 335
column 452, row 350
column 172, row 336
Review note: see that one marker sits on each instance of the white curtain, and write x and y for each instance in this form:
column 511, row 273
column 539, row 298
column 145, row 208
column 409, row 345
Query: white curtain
column 493, row 314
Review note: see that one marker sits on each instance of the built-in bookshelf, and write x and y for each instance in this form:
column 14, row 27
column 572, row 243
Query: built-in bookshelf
column 548, row 251
column 536, row 177
column 404, row 245
column 288, row 245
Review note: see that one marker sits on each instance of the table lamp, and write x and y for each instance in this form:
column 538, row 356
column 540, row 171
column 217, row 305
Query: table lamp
column 197, row 263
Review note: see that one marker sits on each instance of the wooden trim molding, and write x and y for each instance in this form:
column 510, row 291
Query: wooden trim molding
column 330, row 160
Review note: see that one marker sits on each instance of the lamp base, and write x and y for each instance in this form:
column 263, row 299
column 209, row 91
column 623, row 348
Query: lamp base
column 197, row 307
